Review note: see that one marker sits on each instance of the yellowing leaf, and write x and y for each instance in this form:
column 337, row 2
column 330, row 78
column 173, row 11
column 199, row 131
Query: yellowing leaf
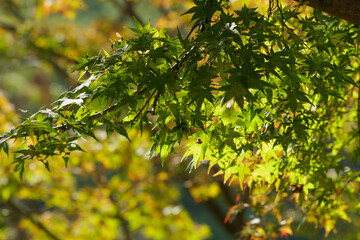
column 285, row 231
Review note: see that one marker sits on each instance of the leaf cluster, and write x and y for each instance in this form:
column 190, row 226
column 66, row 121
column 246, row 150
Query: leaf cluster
column 262, row 98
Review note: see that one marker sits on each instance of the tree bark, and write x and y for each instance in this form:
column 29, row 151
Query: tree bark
column 345, row 9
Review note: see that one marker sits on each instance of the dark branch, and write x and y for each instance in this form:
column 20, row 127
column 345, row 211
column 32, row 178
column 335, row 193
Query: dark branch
column 345, row 9
column 153, row 108
column 16, row 206
column 143, row 107
column 7, row 27
column 91, row 118
column 127, row 11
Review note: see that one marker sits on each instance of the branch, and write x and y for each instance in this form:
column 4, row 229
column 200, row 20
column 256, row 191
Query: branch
column 345, row 9
column 153, row 108
column 238, row 222
column 358, row 115
column 176, row 67
column 218, row 214
column 13, row 8
column 16, row 206
column 143, row 107
column 128, row 10
column 124, row 224
column 91, row 118
column 43, row 55
column 7, row 27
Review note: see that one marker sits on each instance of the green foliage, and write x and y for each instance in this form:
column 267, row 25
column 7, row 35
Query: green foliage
column 266, row 99
column 112, row 190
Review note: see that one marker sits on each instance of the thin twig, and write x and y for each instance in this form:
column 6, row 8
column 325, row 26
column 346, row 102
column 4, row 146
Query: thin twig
column 270, row 8
column 153, row 108
column 175, row 68
column 143, row 107
column 96, row 116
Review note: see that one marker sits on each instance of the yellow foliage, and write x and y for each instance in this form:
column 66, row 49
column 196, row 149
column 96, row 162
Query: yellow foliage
column 66, row 7
column 204, row 192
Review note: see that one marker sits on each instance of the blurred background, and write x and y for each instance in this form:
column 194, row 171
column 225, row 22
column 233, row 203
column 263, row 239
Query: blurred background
column 113, row 190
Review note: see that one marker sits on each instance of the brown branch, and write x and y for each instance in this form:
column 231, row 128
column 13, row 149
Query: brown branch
column 43, row 55
column 128, row 10
column 175, row 68
column 345, row 9
column 66, row 126
column 143, row 107
column 12, row 7
column 358, row 108
column 96, row 116
column 96, row 177
column 16, row 206
column 238, row 221
column 153, row 108
column 8, row 27
column 358, row 115
column 219, row 215
column 124, row 225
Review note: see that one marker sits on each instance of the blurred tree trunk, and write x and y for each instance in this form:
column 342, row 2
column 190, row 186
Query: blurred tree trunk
column 345, row 9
